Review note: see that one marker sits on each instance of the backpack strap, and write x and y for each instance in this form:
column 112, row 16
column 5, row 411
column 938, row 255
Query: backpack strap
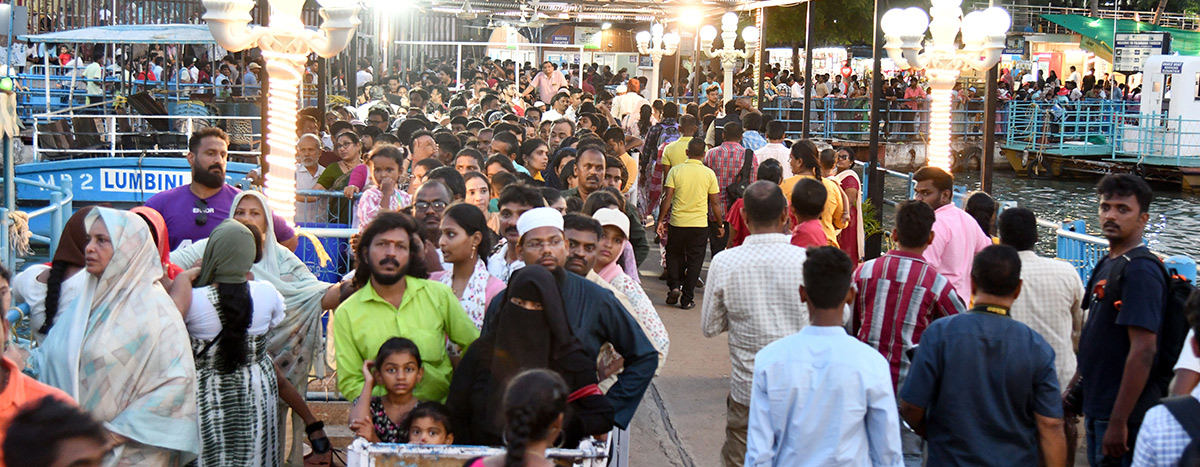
column 747, row 165
column 1186, row 410
column 1112, row 289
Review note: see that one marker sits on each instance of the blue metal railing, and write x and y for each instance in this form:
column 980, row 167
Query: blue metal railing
column 58, row 209
column 1073, row 244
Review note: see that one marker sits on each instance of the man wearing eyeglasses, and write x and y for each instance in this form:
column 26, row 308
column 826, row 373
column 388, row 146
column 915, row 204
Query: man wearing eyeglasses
column 594, row 313
column 192, row 211
column 428, row 205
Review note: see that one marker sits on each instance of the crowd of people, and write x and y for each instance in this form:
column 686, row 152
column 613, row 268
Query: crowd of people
column 495, row 298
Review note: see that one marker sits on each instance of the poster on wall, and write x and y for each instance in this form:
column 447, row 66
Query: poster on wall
column 589, row 37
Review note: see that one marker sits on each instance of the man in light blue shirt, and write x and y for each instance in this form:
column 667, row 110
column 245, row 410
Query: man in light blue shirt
column 821, row 397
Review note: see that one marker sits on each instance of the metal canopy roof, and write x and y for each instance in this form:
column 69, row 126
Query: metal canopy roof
column 130, row 34
column 574, row 11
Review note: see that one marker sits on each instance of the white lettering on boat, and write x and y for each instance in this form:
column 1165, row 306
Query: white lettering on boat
column 144, row 181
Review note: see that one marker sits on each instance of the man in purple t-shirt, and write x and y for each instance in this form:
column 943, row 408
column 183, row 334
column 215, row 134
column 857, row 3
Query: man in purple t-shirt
column 192, row 211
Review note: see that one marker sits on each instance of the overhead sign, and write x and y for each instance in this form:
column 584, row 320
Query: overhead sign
column 1131, row 50
column 560, row 40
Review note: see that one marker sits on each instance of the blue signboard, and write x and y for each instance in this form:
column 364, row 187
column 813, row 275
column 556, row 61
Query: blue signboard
column 560, row 40
column 117, row 180
column 1171, row 68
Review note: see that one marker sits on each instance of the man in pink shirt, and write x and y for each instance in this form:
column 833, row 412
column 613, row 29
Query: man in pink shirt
column 956, row 235
column 547, row 83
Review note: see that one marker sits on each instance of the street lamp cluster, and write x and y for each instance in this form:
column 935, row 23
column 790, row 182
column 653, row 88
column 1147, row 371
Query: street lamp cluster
column 657, row 45
column 983, row 34
column 728, row 54
column 285, row 45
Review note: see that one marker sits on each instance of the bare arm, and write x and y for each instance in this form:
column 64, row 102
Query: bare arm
column 336, row 294
column 664, row 210
column 181, row 290
column 1142, row 347
column 1185, row 380
column 914, row 416
column 360, row 413
column 1052, row 441
column 718, row 208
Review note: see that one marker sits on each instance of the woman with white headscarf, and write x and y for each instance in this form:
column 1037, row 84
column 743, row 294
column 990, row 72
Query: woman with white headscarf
column 121, row 349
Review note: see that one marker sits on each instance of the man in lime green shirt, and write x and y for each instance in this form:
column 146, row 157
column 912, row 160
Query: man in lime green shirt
column 676, row 152
column 690, row 196
column 394, row 302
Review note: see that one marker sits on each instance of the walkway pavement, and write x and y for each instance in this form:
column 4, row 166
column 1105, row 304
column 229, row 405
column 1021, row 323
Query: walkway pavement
column 681, row 421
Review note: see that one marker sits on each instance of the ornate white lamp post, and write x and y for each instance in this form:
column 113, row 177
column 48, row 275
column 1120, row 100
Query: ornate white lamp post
column 983, row 34
column 729, row 55
column 657, row 45
column 285, row 45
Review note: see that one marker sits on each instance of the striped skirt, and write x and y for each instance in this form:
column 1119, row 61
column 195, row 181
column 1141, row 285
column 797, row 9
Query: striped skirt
column 238, row 411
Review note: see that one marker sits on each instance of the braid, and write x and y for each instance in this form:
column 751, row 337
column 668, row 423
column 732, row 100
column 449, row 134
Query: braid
column 234, row 307
column 58, row 270
column 518, row 433
column 533, row 400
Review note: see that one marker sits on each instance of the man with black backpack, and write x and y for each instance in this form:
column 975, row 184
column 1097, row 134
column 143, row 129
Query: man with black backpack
column 1123, row 340
column 1170, row 434
column 735, row 167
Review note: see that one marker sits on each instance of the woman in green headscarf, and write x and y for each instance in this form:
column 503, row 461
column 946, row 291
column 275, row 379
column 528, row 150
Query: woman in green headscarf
column 296, row 343
column 228, row 317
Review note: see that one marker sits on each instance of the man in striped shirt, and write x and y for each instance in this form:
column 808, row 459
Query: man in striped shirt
column 899, row 294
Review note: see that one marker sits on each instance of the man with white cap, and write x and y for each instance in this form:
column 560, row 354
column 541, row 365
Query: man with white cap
column 595, row 314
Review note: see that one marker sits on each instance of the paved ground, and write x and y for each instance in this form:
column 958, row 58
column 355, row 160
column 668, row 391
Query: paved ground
column 681, row 421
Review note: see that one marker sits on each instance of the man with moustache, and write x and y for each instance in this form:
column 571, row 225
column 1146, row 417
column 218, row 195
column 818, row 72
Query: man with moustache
column 514, row 201
column 595, row 315
column 590, row 168
column 308, row 171
column 192, row 211
column 392, row 301
column 428, row 205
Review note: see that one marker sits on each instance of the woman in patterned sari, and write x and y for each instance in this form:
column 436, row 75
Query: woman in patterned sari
column 121, row 348
column 295, row 344
column 228, row 318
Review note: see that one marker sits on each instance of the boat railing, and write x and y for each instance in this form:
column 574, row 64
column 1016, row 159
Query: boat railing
column 58, row 210
column 1160, row 137
column 97, row 131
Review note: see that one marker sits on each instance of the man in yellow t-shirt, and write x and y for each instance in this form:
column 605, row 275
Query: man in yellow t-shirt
column 676, row 152
column 690, row 195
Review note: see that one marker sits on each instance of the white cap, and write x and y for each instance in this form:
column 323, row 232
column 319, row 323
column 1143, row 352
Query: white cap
column 622, row 89
column 613, row 217
column 539, row 217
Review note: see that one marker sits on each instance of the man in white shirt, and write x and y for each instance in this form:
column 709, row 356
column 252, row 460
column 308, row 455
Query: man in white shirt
column 757, row 305
column 775, row 148
column 94, row 74
column 821, row 397
column 308, row 152
column 157, row 68
column 797, row 91
column 1075, row 77
column 364, row 75
column 558, row 107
